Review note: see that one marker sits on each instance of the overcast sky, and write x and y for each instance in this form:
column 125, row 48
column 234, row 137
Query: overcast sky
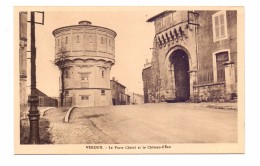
column 134, row 38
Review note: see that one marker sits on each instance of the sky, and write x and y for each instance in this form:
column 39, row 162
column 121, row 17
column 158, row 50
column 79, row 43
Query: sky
column 132, row 43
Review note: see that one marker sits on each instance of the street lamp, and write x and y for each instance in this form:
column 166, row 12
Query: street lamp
column 34, row 115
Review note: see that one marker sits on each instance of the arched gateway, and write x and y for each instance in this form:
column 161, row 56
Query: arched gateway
column 178, row 63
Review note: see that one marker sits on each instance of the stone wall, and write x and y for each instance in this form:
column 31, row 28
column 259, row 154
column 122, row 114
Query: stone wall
column 147, row 84
column 210, row 92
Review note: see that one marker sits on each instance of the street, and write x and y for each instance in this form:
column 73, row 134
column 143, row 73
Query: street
column 147, row 123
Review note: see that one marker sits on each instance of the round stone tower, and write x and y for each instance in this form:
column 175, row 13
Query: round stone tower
column 85, row 54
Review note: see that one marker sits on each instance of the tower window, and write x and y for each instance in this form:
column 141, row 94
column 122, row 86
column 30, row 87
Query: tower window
column 84, row 97
column 102, row 40
column 58, row 42
column 77, row 38
column 103, row 92
column 66, row 41
column 84, row 76
column 66, row 74
column 103, row 73
column 90, row 39
column 66, row 93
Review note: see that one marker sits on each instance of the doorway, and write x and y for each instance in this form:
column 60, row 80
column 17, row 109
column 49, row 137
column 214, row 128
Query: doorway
column 180, row 61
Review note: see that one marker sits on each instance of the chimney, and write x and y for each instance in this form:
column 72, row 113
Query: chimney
column 113, row 78
column 146, row 61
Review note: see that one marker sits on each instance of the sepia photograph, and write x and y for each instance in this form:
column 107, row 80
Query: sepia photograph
column 129, row 80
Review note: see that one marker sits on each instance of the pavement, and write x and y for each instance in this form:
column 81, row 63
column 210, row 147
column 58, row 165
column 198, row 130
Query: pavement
column 146, row 123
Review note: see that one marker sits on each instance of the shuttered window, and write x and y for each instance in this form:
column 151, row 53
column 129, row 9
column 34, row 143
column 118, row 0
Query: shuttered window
column 219, row 26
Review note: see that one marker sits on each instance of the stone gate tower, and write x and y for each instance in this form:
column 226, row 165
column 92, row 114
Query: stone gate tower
column 85, row 54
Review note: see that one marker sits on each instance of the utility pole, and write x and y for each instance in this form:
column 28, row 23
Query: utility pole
column 34, row 115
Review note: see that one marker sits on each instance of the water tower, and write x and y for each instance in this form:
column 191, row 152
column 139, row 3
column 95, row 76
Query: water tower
column 85, row 54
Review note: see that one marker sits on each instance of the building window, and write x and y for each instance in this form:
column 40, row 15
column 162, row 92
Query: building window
column 102, row 40
column 85, row 80
column 58, row 42
column 77, row 38
column 219, row 23
column 66, row 41
column 103, row 73
column 219, row 59
column 66, row 74
column 66, row 93
column 84, row 76
column 90, row 39
column 109, row 42
column 84, row 97
column 103, row 92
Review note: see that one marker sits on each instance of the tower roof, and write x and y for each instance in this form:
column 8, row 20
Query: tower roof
column 84, row 23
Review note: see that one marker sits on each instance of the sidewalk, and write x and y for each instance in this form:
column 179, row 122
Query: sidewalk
column 44, row 123
column 218, row 106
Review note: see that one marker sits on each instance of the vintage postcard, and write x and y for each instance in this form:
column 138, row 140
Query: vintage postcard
column 129, row 80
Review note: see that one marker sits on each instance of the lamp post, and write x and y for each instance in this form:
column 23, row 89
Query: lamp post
column 33, row 115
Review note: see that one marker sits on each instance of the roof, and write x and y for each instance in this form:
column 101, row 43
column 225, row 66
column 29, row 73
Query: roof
column 162, row 14
column 118, row 83
column 40, row 93
column 82, row 26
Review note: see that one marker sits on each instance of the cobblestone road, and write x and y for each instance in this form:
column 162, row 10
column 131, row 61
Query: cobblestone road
column 147, row 123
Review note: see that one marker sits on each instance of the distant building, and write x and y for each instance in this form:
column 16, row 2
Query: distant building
column 194, row 56
column 119, row 97
column 44, row 100
column 136, row 98
column 85, row 54
column 148, row 83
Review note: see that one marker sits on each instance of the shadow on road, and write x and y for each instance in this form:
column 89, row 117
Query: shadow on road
column 94, row 116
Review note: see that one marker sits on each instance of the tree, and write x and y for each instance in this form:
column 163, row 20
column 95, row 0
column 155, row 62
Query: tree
column 60, row 61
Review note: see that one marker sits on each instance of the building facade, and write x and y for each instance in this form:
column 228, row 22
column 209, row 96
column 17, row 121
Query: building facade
column 23, row 57
column 136, row 98
column 44, row 100
column 119, row 97
column 85, row 54
column 194, row 56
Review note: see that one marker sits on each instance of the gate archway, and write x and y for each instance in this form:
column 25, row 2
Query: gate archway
column 179, row 60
